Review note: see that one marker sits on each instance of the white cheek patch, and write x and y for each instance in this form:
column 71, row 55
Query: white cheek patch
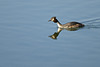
column 53, row 19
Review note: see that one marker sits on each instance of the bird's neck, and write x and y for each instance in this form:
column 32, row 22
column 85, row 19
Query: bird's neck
column 59, row 24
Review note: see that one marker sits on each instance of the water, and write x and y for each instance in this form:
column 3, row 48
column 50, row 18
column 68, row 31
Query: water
column 24, row 31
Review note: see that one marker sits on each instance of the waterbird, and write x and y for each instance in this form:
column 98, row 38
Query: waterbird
column 67, row 25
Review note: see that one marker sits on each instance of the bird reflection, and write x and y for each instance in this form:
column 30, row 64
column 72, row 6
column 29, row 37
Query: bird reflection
column 55, row 35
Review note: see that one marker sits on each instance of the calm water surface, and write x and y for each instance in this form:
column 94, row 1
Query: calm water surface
column 24, row 31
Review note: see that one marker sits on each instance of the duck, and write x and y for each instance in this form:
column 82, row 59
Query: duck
column 67, row 25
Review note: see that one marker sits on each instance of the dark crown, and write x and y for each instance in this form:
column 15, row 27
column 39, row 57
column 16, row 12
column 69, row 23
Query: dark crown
column 54, row 19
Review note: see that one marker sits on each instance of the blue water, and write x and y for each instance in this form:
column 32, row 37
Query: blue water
column 24, row 31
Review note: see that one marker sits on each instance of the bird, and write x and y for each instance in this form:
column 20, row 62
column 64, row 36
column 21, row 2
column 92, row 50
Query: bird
column 67, row 25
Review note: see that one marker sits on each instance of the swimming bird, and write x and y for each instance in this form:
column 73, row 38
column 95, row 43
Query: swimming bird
column 67, row 25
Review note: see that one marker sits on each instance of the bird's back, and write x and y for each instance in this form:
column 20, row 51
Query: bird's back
column 73, row 24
